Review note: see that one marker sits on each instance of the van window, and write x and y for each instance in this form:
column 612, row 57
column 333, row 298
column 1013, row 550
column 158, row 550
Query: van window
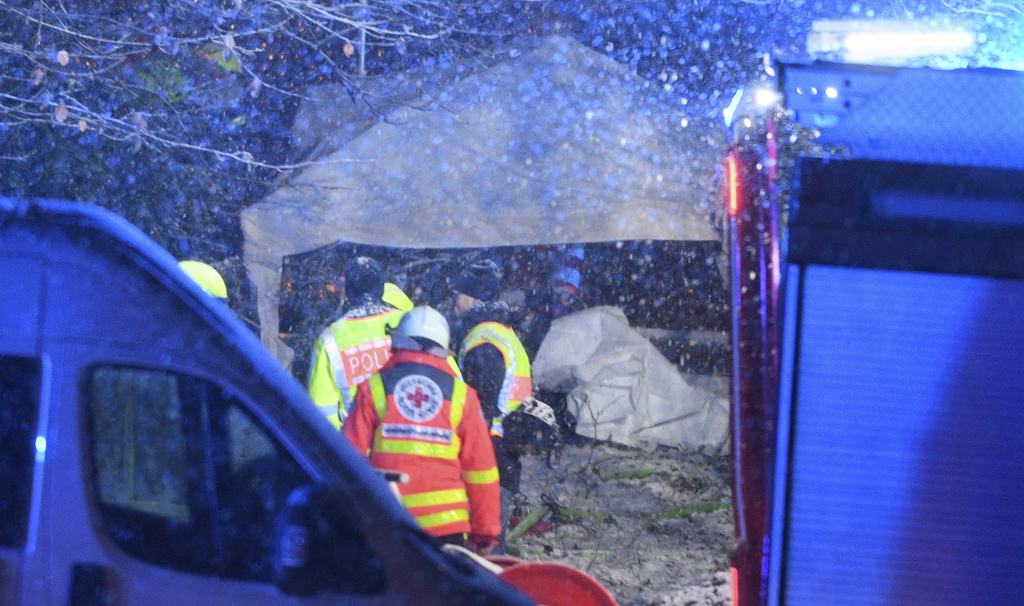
column 19, row 408
column 184, row 476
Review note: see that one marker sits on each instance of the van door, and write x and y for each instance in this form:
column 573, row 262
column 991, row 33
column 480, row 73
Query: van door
column 184, row 484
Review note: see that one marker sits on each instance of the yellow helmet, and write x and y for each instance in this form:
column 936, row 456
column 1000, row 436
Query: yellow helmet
column 396, row 298
column 206, row 277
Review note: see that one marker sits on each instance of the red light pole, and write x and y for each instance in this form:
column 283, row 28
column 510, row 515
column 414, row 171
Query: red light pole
column 754, row 276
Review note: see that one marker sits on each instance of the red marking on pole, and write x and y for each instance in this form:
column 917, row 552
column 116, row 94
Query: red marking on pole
column 732, row 167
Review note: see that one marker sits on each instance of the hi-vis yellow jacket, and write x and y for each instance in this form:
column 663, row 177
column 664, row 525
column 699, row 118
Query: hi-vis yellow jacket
column 347, row 353
column 517, row 384
column 417, row 417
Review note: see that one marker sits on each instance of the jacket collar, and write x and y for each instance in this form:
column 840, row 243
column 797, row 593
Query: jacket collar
column 366, row 305
column 488, row 311
column 401, row 356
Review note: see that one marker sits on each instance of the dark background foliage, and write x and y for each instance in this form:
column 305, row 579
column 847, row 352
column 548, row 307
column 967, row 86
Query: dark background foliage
column 176, row 113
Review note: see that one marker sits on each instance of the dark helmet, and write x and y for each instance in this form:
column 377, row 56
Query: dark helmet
column 363, row 275
column 481, row 280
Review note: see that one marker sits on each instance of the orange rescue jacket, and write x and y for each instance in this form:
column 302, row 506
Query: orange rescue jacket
column 416, row 416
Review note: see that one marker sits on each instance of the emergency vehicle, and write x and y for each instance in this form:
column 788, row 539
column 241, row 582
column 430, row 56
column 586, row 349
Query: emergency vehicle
column 877, row 310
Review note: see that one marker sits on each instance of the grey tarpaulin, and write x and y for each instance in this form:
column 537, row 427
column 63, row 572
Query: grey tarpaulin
column 548, row 142
column 621, row 388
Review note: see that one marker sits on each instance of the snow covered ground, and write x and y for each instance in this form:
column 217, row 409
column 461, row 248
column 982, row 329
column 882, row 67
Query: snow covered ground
column 654, row 527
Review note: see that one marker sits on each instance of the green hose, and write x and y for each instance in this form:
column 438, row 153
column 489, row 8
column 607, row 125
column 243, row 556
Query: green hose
column 526, row 524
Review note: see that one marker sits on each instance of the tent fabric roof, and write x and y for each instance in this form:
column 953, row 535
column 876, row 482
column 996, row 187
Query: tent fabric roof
column 550, row 142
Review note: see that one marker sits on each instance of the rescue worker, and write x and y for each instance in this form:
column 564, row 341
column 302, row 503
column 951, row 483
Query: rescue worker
column 416, row 416
column 356, row 346
column 208, row 278
column 558, row 298
column 491, row 356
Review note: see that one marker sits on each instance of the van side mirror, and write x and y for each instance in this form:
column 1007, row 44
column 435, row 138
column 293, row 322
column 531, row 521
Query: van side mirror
column 318, row 549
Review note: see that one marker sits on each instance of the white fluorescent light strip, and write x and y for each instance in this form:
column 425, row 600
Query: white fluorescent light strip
column 865, row 46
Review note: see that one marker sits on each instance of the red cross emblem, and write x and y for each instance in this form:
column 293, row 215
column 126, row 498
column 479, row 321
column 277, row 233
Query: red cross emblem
column 418, row 397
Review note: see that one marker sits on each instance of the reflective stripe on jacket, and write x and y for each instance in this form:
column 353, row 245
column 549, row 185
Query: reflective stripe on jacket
column 347, row 353
column 517, row 384
column 417, row 417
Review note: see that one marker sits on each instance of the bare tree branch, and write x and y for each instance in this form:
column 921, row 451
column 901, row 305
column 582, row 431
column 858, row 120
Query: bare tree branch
column 107, row 63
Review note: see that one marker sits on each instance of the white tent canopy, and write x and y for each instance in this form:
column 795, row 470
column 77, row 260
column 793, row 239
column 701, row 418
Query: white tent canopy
column 549, row 143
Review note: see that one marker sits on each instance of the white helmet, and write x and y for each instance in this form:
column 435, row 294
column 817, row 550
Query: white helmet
column 425, row 322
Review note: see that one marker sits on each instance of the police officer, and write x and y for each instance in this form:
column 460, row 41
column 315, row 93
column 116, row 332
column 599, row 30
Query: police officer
column 491, row 356
column 357, row 345
column 416, row 416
